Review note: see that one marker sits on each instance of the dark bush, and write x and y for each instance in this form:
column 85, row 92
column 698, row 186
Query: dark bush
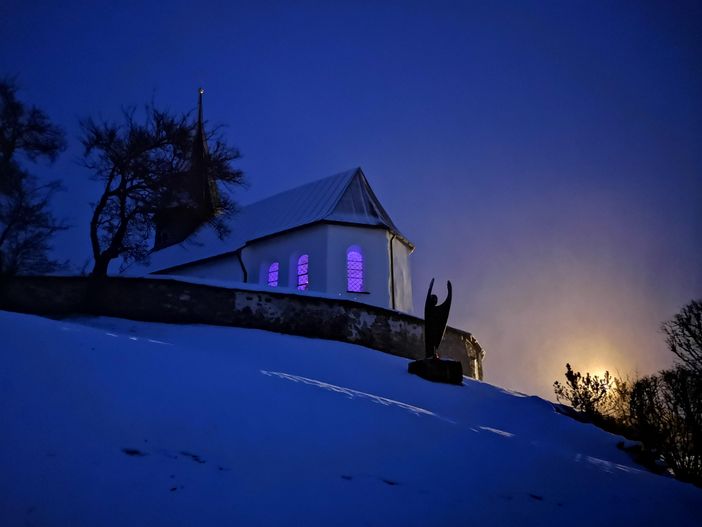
column 587, row 394
column 662, row 411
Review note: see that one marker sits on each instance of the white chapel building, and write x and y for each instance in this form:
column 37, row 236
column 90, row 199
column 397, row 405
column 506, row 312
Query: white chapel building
column 330, row 237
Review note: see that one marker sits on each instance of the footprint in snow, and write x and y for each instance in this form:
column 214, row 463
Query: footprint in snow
column 194, row 457
column 390, row 482
column 134, row 452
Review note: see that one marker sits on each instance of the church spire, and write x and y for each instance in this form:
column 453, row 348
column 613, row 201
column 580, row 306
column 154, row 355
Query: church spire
column 200, row 150
column 208, row 196
column 193, row 197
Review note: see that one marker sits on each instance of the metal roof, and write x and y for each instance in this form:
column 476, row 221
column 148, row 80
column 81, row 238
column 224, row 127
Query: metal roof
column 344, row 198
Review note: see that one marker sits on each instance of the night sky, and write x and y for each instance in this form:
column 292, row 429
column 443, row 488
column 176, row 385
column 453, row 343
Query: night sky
column 545, row 157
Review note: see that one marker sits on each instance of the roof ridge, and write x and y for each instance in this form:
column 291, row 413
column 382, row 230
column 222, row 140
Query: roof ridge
column 343, row 190
column 349, row 173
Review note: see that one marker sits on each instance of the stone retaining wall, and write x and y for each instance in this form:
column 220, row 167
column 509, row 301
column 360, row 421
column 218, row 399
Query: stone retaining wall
column 174, row 301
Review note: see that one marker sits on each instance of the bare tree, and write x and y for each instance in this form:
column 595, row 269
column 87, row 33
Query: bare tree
column 26, row 223
column 683, row 334
column 666, row 410
column 139, row 163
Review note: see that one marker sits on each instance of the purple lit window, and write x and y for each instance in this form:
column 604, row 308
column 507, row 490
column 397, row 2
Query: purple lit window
column 273, row 274
column 354, row 270
column 303, row 272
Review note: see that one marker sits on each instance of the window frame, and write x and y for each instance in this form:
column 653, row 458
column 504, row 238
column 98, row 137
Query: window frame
column 303, row 272
column 360, row 261
column 276, row 282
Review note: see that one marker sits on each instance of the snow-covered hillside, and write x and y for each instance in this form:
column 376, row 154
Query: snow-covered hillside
column 110, row 422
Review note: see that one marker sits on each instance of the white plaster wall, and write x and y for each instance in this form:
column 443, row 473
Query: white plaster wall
column 286, row 248
column 403, row 276
column 326, row 245
column 376, row 268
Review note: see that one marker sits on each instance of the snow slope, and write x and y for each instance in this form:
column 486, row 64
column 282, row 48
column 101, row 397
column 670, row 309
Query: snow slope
column 111, row 422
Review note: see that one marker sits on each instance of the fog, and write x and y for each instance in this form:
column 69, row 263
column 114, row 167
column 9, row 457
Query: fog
column 544, row 157
column 585, row 279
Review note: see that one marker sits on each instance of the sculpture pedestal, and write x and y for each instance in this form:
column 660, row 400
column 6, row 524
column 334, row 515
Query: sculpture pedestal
column 437, row 370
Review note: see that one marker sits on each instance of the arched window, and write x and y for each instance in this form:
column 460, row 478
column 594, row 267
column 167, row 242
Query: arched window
column 303, row 272
column 273, row 271
column 354, row 269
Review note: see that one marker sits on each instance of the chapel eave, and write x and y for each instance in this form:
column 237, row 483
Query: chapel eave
column 239, row 248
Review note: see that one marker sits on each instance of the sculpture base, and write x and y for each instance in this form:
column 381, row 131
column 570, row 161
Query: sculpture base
column 437, row 370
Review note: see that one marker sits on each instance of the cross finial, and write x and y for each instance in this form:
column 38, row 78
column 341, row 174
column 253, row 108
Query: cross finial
column 200, row 91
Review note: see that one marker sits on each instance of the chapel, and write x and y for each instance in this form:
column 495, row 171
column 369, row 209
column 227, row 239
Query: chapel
column 330, row 237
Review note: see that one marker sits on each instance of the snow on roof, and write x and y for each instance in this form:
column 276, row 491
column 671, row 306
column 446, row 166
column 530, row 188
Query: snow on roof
column 345, row 197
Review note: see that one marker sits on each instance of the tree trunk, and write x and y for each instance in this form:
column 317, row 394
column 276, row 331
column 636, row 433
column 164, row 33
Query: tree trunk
column 100, row 266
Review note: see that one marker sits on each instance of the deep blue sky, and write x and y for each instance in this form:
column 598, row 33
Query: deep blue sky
column 543, row 156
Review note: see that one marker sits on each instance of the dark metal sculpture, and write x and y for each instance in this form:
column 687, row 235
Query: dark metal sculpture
column 435, row 320
column 433, row 368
